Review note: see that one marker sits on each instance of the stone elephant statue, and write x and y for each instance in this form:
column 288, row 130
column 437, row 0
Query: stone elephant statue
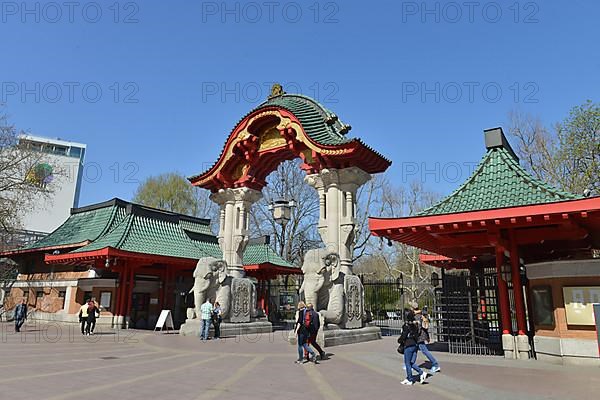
column 323, row 284
column 211, row 281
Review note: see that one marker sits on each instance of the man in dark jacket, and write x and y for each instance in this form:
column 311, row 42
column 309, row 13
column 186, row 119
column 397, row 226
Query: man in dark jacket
column 312, row 339
column 20, row 315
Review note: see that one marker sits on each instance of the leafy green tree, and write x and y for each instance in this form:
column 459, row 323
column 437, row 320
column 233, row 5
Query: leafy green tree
column 566, row 155
column 579, row 148
column 173, row 192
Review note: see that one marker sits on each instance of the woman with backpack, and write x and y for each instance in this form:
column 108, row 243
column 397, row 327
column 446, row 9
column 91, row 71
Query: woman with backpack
column 302, row 329
column 408, row 341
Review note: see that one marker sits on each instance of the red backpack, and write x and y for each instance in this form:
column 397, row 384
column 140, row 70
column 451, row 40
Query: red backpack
column 308, row 320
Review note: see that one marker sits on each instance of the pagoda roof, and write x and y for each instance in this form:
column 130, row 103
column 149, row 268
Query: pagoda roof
column 128, row 228
column 284, row 127
column 313, row 116
column 500, row 205
column 499, row 181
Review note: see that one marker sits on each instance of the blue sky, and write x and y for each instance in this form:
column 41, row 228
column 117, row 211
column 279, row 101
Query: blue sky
column 156, row 86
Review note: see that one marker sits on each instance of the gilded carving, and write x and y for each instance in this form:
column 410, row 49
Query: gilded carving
column 270, row 139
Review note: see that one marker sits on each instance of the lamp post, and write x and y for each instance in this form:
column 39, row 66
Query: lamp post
column 282, row 214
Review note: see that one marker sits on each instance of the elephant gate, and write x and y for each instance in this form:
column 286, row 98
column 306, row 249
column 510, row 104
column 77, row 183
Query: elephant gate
column 287, row 127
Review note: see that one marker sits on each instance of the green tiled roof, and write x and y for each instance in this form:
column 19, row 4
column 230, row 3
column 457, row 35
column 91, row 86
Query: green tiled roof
column 139, row 229
column 313, row 117
column 263, row 253
column 498, row 181
column 85, row 224
column 141, row 234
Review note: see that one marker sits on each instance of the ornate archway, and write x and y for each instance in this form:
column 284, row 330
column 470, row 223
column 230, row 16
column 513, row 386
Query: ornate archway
column 285, row 127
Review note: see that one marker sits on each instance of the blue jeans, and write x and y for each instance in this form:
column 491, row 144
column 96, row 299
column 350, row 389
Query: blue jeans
column 423, row 348
column 205, row 328
column 410, row 353
column 303, row 345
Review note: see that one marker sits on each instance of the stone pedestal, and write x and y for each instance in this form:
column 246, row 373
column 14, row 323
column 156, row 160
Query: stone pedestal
column 508, row 345
column 354, row 302
column 337, row 336
column 192, row 327
column 522, row 347
column 242, row 290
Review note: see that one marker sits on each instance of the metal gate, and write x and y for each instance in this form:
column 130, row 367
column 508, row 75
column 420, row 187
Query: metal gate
column 386, row 299
column 467, row 314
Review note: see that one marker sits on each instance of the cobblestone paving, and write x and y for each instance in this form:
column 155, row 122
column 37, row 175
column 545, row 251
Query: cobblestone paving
column 54, row 362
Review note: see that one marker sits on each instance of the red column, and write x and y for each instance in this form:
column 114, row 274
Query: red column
column 119, row 296
column 129, row 297
column 122, row 287
column 503, row 301
column 517, row 287
column 161, row 293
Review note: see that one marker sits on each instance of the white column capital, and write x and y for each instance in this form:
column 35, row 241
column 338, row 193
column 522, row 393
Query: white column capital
column 231, row 195
column 352, row 177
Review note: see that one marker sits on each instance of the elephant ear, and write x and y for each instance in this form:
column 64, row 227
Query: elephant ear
column 332, row 262
column 221, row 270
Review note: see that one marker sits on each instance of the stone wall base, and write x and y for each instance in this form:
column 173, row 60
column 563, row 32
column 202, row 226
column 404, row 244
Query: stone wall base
column 567, row 351
column 336, row 337
column 192, row 328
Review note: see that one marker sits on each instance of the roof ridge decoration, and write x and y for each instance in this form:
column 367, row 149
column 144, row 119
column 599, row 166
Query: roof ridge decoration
column 284, row 127
column 499, row 181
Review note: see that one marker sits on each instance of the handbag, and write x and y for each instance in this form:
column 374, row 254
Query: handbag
column 400, row 348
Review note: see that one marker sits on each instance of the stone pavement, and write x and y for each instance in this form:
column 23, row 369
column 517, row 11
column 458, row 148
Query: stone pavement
column 53, row 362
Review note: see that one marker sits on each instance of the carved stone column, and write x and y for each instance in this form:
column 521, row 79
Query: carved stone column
column 337, row 199
column 233, row 225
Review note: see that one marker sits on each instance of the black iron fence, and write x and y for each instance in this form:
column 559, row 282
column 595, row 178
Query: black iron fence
column 385, row 301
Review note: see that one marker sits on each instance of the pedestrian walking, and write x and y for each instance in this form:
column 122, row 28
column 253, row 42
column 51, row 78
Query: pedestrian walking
column 20, row 315
column 83, row 315
column 92, row 313
column 408, row 339
column 217, row 319
column 312, row 340
column 302, row 329
column 206, row 311
column 422, row 318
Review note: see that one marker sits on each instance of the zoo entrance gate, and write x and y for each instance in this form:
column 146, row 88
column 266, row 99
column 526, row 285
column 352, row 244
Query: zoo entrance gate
column 462, row 306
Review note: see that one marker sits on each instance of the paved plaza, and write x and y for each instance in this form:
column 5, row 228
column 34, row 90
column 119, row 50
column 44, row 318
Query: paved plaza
column 58, row 363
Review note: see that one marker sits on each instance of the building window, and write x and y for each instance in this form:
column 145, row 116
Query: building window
column 105, row 299
column 62, row 294
column 39, row 294
column 75, row 152
column 543, row 306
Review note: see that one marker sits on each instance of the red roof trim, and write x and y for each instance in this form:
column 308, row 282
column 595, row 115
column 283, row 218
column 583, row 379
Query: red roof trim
column 39, row 249
column 268, row 267
column 112, row 252
column 377, row 225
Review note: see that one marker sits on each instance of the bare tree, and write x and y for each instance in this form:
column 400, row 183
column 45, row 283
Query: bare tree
column 25, row 179
column 300, row 234
column 385, row 259
column 567, row 155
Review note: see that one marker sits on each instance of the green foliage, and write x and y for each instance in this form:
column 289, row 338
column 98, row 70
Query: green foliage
column 567, row 156
column 172, row 192
column 579, row 148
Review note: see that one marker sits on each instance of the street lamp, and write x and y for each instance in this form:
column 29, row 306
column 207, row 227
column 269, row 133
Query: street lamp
column 282, row 210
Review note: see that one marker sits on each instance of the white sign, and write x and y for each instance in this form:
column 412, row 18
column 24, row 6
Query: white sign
column 165, row 320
